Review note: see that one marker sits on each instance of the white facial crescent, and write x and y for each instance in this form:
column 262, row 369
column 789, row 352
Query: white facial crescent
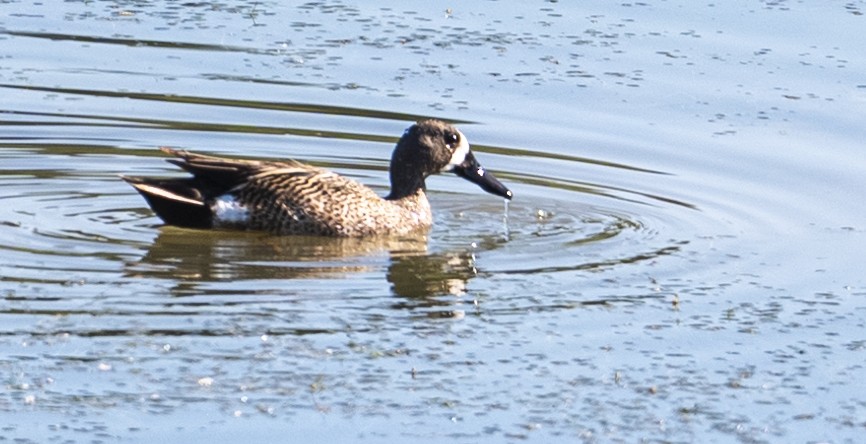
column 459, row 153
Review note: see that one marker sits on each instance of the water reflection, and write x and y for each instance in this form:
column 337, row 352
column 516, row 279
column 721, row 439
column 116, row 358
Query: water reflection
column 674, row 266
column 194, row 256
column 213, row 255
column 420, row 276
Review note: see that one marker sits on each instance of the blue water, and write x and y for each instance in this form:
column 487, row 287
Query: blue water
column 681, row 261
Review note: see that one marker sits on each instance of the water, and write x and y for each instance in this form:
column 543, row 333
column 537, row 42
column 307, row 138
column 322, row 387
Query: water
column 681, row 261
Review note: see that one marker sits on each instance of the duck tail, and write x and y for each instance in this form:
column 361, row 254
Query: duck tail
column 176, row 201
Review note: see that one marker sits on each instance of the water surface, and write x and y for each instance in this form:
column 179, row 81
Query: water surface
column 681, row 261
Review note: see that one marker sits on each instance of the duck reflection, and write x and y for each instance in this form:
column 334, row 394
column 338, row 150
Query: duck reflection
column 195, row 256
column 422, row 280
column 428, row 275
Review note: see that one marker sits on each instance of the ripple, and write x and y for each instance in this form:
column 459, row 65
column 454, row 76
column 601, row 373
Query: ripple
column 684, row 230
column 586, row 226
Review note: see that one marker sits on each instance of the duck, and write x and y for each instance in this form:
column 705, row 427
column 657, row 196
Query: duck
column 288, row 197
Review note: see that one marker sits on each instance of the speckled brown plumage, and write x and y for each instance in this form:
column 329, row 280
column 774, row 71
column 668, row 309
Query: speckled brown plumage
column 290, row 197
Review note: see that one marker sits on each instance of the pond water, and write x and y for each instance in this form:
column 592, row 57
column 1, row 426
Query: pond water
column 682, row 261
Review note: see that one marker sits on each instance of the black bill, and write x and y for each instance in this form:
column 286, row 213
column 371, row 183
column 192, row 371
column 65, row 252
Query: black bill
column 473, row 172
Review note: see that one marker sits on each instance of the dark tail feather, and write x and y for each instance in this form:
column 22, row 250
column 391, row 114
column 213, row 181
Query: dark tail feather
column 175, row 201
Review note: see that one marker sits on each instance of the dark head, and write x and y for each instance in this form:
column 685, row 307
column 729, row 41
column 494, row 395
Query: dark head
column 431, row 147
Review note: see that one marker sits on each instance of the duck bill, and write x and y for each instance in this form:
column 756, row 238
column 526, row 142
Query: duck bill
column 472, row 171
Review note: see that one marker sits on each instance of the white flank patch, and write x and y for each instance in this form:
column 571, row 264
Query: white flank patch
column 228, row 211
column 459, row 154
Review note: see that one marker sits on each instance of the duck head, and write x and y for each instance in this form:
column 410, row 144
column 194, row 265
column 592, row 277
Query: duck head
column 433, row 146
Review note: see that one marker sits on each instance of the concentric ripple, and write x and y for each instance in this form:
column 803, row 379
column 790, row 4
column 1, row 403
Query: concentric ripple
column 680, row 262
column 84, row 224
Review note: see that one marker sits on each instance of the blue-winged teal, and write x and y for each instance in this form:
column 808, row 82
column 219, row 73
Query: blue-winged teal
column 290, row 197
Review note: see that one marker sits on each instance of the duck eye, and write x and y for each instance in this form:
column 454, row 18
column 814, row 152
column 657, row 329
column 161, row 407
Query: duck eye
column 451, row 139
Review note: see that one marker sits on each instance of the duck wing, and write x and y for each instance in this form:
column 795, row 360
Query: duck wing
column 186, row 202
